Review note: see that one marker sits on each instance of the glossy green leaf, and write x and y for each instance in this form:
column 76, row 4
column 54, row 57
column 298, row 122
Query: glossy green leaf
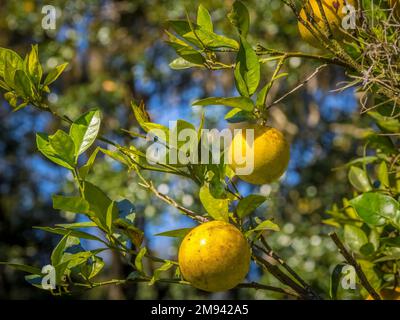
column 359, row 179
column 375, row 208
column 54, row 74
column 180, row 64
column 354, row 237
column 84, row 131
column 242, row 103
column 248, row 204
column 216, row 208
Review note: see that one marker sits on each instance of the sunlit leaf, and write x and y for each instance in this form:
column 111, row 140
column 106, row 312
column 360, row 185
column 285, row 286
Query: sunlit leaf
column 216, row 208
column 242, row 103
column 359, row 179
column 84, row 131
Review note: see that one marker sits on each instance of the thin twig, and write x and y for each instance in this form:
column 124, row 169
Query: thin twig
column 350, row 259
column 316, row 71
column 276, row 257
column 259, row 286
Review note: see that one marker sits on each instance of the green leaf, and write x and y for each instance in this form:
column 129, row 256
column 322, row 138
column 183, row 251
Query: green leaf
column 71, row 204
column 383, row 175
column 73, row 233
column 240, row 18
column 32, row 65
column 96, row 265
column 84, row 170
column 77, row 225
column 116, row 155
column 369, row 271
column 22, row 84
column 184, row 29
column 267, row 225
column 58, row 251
column 139, row 260
column 201, row 37
column 359, row 179
column 178, row 233
column 63, row 146
column 112, row 213
column 237, row 115
column 187, row 53
column 44, row 146
column 84, row 131
column 387, row 124
column 180, row 64
column 335, row 279
column 262, row 95
column 11, row 58
column 240, row 83
column 248, row 204
column 99, row 203
column 204, row 18
column 141, row 114
column 165, row 267
column 54, row 74
column 22, row 267
column 242, row 103
column 248, row 67
column 216, row 208
column 354, row 237
column 375, row 208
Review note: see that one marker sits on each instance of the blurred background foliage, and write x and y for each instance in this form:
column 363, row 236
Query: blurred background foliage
column 116, row 52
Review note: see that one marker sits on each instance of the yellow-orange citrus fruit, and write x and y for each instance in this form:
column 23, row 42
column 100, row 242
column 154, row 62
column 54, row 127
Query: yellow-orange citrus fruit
column 388, row 294
column 334, row 15
column 270, row 154
column 214, row 256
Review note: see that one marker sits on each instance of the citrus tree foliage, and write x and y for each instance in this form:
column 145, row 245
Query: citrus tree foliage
column 367, row 223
